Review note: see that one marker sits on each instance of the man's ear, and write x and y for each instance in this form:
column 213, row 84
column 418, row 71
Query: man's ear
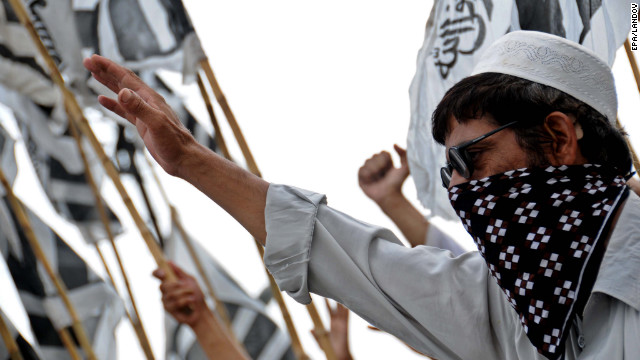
column 565, row 149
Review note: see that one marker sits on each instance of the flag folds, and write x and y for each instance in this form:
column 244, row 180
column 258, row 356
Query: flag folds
column 141, row 34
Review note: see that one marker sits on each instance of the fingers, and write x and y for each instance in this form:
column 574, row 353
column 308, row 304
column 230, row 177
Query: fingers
column 113, row 106
column 375, row 167
column 176, row 293
column 178, row 305
column 112, row 75
column 178, row 270
column 338, row 311
column 326, row 301
column 404, row 162
column 341, row 310
column 177, row 296
column 136, row 106
column 117, row 77
column 159, row 274
column 401, row 152
column 106, row 71
column 174, row 286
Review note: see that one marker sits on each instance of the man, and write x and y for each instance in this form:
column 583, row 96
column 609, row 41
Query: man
column 556, row 274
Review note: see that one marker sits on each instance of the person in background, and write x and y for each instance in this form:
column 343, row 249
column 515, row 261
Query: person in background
column 184, row 300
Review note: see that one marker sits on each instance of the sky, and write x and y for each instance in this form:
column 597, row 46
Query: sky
column 317, row 88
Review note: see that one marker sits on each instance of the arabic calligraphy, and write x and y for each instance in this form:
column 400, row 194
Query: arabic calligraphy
column 461, row 33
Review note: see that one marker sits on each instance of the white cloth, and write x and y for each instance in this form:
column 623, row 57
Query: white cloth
column 444, row 306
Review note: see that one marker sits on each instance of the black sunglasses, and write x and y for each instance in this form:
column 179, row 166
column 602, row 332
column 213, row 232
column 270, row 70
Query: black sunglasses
column 460, row 160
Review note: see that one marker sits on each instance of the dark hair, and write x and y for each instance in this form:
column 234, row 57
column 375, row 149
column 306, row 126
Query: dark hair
column 507, row 98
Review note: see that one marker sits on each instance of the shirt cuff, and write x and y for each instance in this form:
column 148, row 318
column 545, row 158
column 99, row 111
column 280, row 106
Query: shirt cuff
column 290, row 216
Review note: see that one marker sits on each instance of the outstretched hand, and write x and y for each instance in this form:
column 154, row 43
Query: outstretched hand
column 185, row 293
column 380, row 179
column 160, row 128
column 240, row 193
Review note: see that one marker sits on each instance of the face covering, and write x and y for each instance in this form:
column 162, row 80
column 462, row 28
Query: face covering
column 542, row 233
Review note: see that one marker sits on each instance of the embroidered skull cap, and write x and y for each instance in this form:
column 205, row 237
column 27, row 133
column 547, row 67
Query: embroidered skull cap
column 557, row 62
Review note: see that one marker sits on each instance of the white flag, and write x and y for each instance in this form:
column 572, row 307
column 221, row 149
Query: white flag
column 139, row 34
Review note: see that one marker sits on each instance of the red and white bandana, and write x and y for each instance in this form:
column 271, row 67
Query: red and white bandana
column 542, row 233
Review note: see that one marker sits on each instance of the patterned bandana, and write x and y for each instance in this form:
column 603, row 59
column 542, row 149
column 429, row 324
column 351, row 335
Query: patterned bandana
column 541, row 232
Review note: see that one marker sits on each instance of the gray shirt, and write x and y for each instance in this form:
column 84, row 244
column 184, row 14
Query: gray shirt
column 445, row 306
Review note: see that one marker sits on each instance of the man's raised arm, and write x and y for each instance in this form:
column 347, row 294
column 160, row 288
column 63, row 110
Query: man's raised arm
column 242, row 194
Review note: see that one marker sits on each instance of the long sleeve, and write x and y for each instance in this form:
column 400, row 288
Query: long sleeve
column 440, row 239
column 444, row 306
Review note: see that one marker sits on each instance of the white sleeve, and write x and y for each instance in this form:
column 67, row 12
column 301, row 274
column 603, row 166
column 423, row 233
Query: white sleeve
column 440, row 239
column 443, row 306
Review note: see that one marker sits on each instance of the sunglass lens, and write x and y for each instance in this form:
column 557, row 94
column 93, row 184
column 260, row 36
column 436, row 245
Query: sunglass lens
column 459, row 162
column 445, row 174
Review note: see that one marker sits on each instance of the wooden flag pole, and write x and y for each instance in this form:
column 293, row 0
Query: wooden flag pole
column 135, row 323
column 67, row 341
column 222, row 101
column 152, row 214
column 296, row 345
column 322, row 334
column 636, row 75
column 220, row 143
column 83, row 125
column 102, row 211
column 23, row 219
column 9, row 341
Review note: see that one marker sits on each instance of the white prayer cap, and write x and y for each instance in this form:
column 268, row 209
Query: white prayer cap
column 554, row 61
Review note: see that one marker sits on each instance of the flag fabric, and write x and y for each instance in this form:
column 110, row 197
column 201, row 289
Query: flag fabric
column 26, row 349
column 141, row 34
column 59, row 167
column 96, row 302
column 55, row 22
column 599, row 25
column 11, row 307
column 21, row 69
column 458, row 32
column 7, row 155
column 126, row 147
column 251, row 325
